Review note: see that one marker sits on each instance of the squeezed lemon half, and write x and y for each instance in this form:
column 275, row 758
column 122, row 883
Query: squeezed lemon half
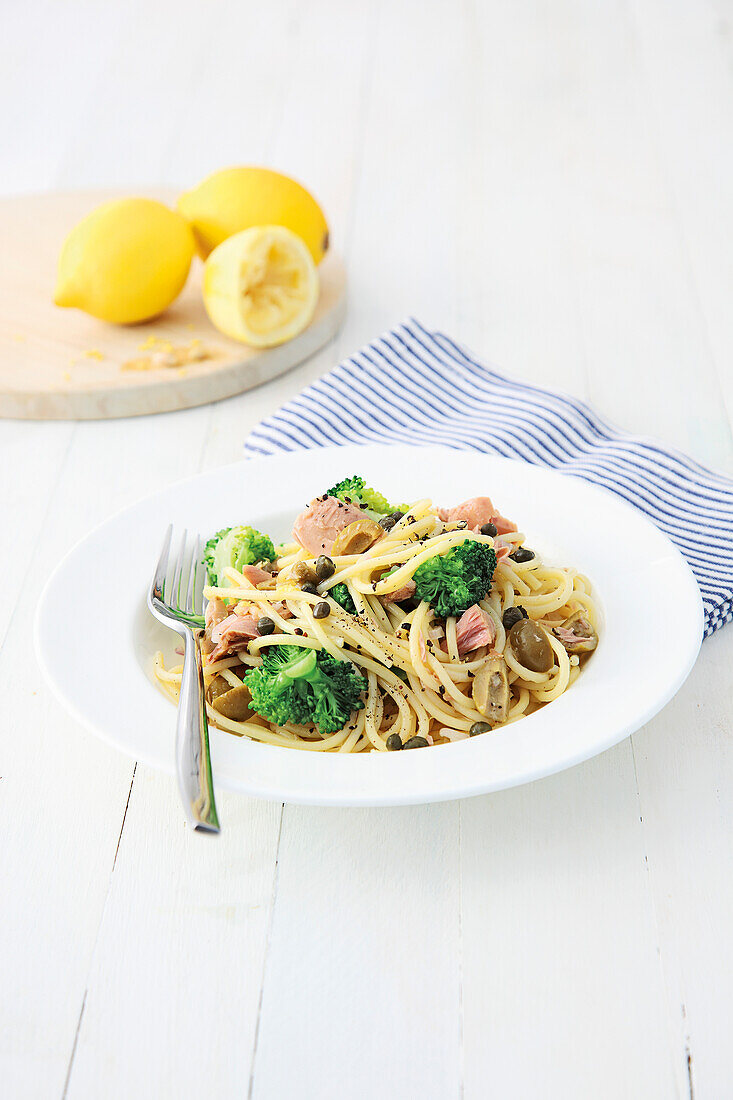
column 238, row 198
column 125, row 262
column 261, row 286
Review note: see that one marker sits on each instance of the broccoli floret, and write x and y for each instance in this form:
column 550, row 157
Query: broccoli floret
column 355, row 489
column 453, row 581
column 340, row 593
column 236, row 546
column 305, row 686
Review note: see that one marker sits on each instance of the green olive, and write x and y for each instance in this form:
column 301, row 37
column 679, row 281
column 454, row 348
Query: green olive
column 217, row 687
column 531, row 646
column 490, row 690
column 234, row 703
column 357, row 537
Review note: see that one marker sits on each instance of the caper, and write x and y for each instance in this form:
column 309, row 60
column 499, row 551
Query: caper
column 303, row 572
column 522, row 554
column 489, row 529
column 322, row 610
column 388, row 522
column 394, row 742
column 479, row 727
column 324, row 568
column 512, row 616
column 309, row 587
column 265, row 626
column 531, row 646
column 415, row 743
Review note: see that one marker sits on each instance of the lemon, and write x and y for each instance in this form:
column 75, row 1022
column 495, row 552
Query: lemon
column 261, row 286
column 238, row 198
column 126, row 261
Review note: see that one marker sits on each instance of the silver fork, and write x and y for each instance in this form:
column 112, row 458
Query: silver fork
column 185, row 616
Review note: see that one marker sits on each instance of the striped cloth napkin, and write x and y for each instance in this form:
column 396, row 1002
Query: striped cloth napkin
column 412, row 385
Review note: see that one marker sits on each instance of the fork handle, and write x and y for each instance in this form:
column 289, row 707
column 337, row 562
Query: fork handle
column 193, row 760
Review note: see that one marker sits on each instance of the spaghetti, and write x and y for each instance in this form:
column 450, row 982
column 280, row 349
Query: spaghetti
column 427, row 678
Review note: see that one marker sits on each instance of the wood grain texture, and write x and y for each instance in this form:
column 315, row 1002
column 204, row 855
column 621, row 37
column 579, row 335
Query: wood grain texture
column 64, row 365
column 551, row 184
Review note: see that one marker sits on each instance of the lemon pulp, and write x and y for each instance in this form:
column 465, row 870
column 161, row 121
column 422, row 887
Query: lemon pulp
column 261, row 286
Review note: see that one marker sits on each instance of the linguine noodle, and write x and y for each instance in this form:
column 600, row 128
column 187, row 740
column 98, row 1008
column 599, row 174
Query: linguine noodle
column 417, row 683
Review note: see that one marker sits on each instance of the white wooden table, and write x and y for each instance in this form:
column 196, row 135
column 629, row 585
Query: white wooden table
column 551, row 183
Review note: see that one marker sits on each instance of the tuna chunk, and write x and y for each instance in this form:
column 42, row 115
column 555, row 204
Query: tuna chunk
column 404, row 592
column 577, row 635
column 317, row 527
column 255, row 575
column 474, row 628
column 232, row 634
column 215, row 612
column 476, row 512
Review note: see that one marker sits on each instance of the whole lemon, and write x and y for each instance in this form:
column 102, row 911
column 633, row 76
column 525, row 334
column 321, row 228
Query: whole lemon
column 239, row 198
column 126, row 261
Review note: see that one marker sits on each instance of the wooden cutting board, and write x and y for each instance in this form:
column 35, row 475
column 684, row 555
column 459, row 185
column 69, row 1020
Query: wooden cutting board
column 59, row 364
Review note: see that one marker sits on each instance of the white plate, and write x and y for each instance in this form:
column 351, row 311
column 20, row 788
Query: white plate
column 98, row 661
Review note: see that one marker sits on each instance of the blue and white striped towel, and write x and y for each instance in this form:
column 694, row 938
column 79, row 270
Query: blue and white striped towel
column 412, row 385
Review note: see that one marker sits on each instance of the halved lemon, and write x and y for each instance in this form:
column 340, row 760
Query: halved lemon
column 261, row 286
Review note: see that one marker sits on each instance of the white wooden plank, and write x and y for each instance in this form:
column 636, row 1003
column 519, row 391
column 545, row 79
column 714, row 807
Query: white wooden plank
column 514, row 303
column 55, row 53
column 133, row 112
column 38, row 453
column 563, row 992
column 361, row 994
column 687, row 61
column 403, row 248
column 232, row 107
column 646, row 344
column 174, row 988
column 685, row 773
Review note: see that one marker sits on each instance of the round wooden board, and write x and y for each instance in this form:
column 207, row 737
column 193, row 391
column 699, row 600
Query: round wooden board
column 60, row 364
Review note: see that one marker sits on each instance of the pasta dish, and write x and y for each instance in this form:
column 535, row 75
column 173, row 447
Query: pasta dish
column 383, row 627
